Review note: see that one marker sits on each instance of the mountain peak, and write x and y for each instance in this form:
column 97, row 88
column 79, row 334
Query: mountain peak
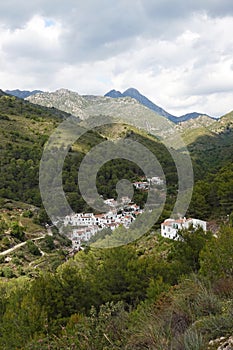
column 114, row 94
column 62, row 91
column 132, row 91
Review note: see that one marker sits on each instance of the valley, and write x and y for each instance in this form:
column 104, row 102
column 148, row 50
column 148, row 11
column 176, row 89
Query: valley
column 61, row 296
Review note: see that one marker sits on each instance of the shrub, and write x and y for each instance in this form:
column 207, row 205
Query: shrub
column 32, row 248
column 193, row 340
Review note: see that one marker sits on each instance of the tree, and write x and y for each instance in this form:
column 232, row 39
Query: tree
column 17, row 231
column 216, row 258
column 49, row 242
column 33, row 249
column 122, row 276
column 186, row 252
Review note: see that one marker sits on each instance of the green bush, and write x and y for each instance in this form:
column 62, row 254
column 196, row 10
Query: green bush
column 32, row 248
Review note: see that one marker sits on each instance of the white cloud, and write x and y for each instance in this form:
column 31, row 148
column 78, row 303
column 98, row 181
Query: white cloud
column 35, row 40
column 179, row 55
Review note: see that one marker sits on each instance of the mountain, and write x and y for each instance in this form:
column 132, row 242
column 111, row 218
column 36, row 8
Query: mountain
column 134, row 93
column 114, row 94
column 25, row 276
column 22, row 93
column 131, row 92
column 129, row 110
column 126, row 109
column 24, row 129
column 2, row 93
column 193, row 115
column 63, row 99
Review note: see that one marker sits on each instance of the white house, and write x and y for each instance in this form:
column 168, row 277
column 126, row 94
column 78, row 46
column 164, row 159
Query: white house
column 155, row 180
column 141, row 185
column 111, row 202
column 80, row 219
column 170, row 227
column 84, row 234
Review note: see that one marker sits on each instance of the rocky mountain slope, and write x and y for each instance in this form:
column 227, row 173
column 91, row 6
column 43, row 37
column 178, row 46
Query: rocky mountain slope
column 131, row 92
column 126, row 109
column 63, row 99
column 133, row 112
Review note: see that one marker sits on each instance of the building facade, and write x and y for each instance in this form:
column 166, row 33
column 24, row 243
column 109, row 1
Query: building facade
column 170, row 227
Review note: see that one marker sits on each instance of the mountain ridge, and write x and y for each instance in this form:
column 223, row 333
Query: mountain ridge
column 134, row 93
column 22, row 93
column 130, row 92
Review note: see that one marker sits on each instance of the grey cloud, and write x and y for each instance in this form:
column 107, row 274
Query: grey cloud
column 97, row 30
column 15, row 13
column 103, row 29
column 178, row 8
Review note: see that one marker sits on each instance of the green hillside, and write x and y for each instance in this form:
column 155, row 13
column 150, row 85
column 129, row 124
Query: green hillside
column 25, row 128
column 153, row 293
column 147, row 295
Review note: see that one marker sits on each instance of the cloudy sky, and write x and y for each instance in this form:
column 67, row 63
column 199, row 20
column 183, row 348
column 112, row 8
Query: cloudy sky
column 179, row 53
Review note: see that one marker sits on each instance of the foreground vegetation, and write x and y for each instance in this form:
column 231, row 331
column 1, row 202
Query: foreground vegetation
column 155, row 295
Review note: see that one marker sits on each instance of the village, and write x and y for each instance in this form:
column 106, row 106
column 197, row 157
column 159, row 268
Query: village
column 83, row 226
column 86, row 225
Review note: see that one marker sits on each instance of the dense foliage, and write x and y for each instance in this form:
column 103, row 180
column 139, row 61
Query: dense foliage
column 151, row 294
column 25, row 128
column 126, row 297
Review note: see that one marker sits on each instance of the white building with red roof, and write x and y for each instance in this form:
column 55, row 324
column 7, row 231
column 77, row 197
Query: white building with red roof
column 170, row 227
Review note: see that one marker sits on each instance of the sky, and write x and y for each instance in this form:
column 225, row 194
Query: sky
column 178, row 53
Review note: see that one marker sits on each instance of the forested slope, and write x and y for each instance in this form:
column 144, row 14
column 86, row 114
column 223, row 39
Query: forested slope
column 151, row 294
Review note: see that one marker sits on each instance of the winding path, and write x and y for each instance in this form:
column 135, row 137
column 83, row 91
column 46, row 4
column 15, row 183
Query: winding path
column 5, row 252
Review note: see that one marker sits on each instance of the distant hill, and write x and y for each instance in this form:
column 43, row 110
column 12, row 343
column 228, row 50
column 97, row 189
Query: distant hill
column 2, row 93
column 128, row 109
column 22, row 93
column 63, row 99
column 125, row 108
column 192, row 115
column 134, row 93
column 76, row 106
column 114, row 94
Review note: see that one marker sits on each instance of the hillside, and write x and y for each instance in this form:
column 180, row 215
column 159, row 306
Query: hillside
column 24, row 129
column 177, row 295
column 28, row 128
column 27, row 247
column 134, row 93
column 209, row 143
column 63, row 99
column 130, row 107
column 149, row 293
